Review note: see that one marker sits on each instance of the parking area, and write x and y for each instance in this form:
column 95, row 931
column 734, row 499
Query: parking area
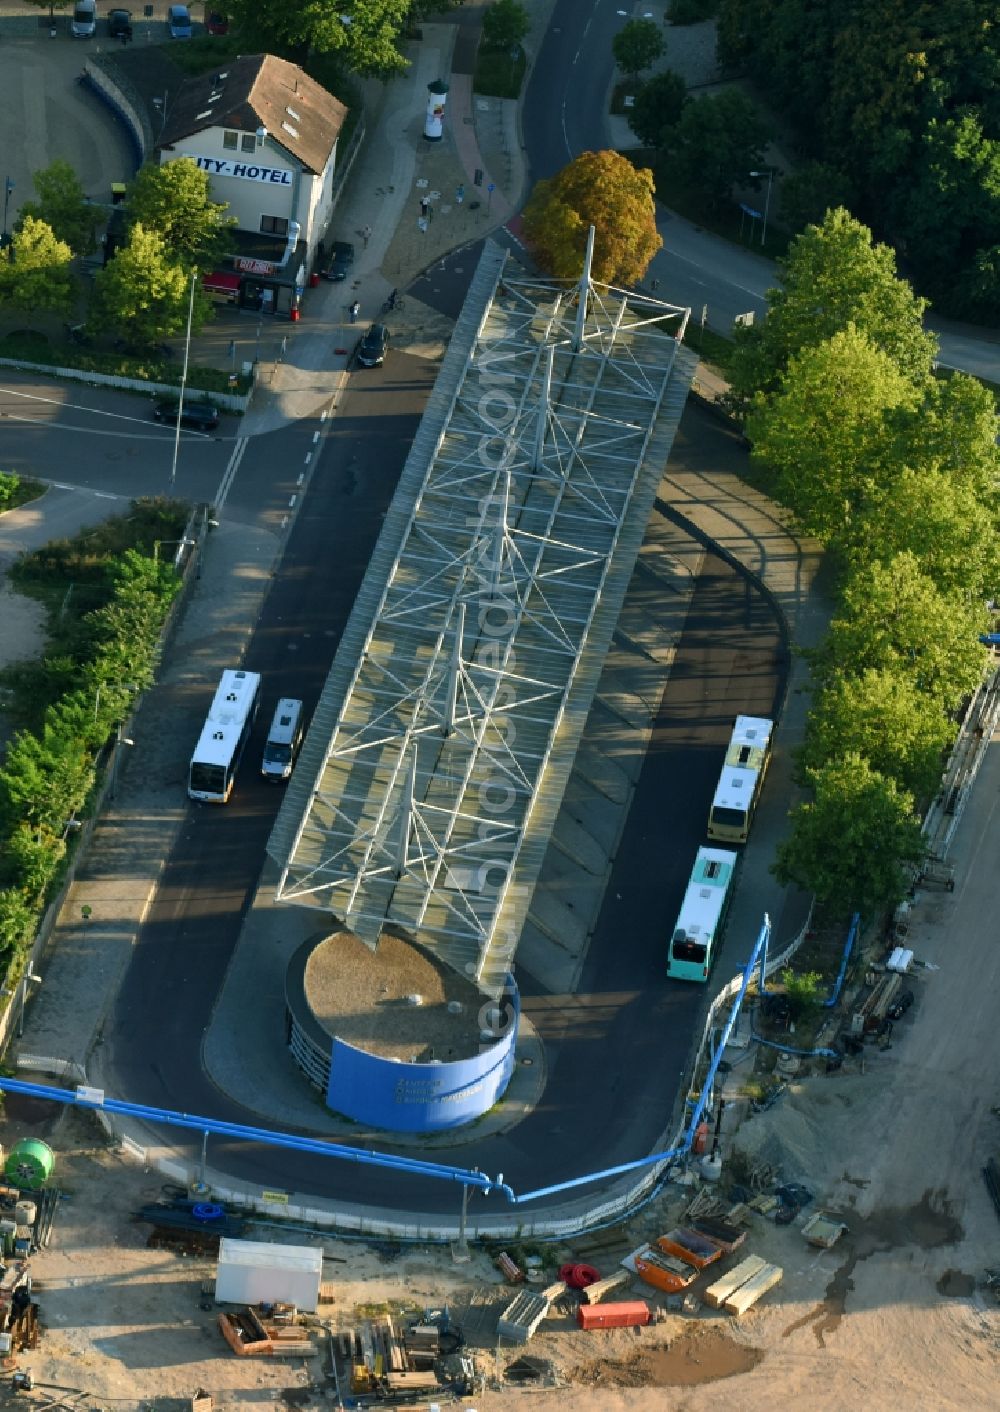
column 45, row 113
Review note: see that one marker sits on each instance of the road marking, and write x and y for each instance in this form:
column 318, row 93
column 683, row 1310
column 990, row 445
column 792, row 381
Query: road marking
column 291, row 502
column 301, row 477
column 284, row 522
column 103, row 495
column 79, row 407
column 229, row 474
column 323, row 415
column 315, row 437
column 308, row 458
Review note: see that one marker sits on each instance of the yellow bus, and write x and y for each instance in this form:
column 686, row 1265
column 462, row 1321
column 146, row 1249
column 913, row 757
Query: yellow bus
column 739, row 784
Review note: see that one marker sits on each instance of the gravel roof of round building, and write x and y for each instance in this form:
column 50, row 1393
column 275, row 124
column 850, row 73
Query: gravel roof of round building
column 359, row 995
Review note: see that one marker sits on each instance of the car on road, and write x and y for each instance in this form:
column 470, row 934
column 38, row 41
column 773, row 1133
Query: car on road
column 195, row 413
column 179, row 21
column 373, row 347
column 119, row 23
column 216, row 22
column 341, row 260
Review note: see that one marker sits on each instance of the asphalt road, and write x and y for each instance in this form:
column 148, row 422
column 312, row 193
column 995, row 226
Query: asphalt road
column 105, row 441
column 627, row 1031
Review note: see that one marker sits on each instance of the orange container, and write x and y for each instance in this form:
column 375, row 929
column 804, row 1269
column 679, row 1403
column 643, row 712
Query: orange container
column 630, row 1314
column 663, row 1271
column 690, row 1246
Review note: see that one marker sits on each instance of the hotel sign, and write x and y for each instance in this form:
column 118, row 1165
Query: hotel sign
column 245, row 171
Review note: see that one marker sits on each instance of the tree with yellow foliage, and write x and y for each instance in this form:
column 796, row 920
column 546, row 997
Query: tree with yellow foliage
column 603, row 190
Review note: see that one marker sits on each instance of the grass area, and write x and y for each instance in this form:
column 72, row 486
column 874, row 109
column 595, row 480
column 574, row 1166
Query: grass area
column 627, row 89
column 17, row 490
column 712, row 348
column 29, row 346
column 70, row 578
column 499, row 72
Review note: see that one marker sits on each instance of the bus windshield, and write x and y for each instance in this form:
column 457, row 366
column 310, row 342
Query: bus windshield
column 277, row 754
column 729, row 818
column 208, row 779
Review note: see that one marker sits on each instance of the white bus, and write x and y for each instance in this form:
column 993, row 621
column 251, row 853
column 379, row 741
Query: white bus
column 223, row 737
column 742, row 776
column 699, row 924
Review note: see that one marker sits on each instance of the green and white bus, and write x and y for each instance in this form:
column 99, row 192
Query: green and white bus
column 698, row 929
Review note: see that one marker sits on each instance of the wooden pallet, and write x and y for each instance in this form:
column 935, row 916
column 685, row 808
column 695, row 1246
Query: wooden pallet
column 726, row 1285
column 747, row 1295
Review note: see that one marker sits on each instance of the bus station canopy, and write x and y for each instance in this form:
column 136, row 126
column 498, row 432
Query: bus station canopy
column 437, row 758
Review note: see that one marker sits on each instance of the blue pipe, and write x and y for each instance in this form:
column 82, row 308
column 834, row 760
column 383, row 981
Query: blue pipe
column 706, row 1088
column 848, row 948
column 95, row 1098
column 790, row 1049
column 412, row 1166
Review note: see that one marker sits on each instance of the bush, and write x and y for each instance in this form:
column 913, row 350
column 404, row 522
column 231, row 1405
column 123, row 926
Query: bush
column 802, row 993
column 26, row 346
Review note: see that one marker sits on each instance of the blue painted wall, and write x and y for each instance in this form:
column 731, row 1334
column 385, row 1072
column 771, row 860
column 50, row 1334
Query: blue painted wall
column 424, row 1097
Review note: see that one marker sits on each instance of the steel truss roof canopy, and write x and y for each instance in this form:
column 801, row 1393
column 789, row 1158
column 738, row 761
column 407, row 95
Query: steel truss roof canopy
column 437, row 759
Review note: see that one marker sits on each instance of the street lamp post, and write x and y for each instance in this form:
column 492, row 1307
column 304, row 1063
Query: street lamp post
column 184, row 374
column 120, row 740
column 22, row 993
column 8, row 187
column 767, row 200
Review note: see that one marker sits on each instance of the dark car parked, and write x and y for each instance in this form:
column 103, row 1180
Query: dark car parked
column 373, row 347
column 119, row 23
column 202, row 415
column 341, row 260
column 216, row 22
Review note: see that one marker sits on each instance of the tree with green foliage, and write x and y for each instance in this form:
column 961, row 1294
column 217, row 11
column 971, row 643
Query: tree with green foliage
column 658, row 107
column 144, row 293
column 603, row 190
column 37, row 276
column 505, row 24
column 173, row 201
column 941, row 519
column 955, row 429
column 950, row 209
column 364, row 33
column 32, row 857
column 852, row 842
column 893, row 618
column 62, row 205
column 812, row 189
column 833, row 276
column 637, row 46
column 17, row 924
column 878, row 715
column 905, row 97
column 825, row 436
column 715, row 143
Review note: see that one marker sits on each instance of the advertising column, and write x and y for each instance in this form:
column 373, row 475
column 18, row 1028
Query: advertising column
column 437, row 97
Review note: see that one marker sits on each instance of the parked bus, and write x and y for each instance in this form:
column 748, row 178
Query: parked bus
column 223, row 738
column 739, row 784
column 699, row 924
